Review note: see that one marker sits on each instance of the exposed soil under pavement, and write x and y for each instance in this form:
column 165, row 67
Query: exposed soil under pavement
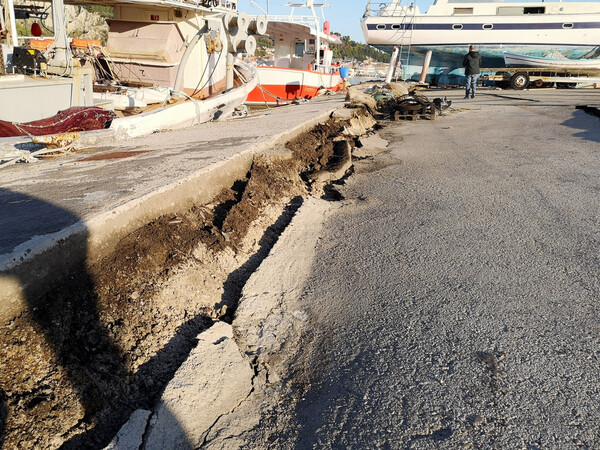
column 110, row 336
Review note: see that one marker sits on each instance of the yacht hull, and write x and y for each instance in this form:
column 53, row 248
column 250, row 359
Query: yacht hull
column 569, row 28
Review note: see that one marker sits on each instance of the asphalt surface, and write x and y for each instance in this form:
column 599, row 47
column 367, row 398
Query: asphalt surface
column 456, row 294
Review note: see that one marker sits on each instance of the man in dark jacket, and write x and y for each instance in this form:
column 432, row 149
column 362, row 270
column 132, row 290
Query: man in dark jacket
column 472, row 64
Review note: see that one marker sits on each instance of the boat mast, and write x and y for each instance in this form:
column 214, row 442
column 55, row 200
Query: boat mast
column 62, row 56
column 10, row 6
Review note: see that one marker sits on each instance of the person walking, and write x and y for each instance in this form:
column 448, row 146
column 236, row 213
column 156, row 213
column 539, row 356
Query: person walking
column 472, row 64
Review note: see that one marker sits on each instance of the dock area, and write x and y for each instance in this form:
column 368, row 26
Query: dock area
column 151, row 226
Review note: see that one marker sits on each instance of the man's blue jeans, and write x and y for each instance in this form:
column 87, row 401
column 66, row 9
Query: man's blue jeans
column 471, row 85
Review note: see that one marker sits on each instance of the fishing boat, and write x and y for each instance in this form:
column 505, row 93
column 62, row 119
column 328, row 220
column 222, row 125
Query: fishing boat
column 515, row 60
column 302, row 65
column 165, row 64
column 448, row 27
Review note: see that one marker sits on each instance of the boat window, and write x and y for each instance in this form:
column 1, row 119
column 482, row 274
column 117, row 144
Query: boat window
column 534, row 10
column 396, row 26
column 457, row 26
column 487, row 26
column 463, row 11
column 567, row 25
column 381, row 26
column 299, row 49
column 510, row 10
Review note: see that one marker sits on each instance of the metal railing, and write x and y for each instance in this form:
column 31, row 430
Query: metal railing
column 394, row 8
column 303, row 20
column 217, row 7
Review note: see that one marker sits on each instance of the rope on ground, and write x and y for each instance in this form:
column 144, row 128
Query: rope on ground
column 28, row 157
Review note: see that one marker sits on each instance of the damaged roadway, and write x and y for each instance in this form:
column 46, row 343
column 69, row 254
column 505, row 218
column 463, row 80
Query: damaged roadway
column 149, row 266
column 450, row 300
column 109, row 191
column 310, row 326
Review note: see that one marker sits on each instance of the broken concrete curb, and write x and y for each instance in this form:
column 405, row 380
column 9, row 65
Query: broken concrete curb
column 370, row 146
column 212, row 382
column 35, row 265
column 269, row 315
column 131, row 435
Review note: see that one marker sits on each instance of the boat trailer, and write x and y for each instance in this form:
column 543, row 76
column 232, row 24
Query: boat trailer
column 523, row 77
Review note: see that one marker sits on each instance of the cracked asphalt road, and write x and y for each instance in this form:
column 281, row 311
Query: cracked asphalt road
column 455, row 294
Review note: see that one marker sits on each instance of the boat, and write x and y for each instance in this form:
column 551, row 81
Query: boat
column 165, row 64
column 582, row 64
column 448, row 27
column 297, row 73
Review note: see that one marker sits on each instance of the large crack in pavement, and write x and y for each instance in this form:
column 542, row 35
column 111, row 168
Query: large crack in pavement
column 105, row 341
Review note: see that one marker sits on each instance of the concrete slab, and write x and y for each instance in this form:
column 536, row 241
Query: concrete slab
column 371, row 146
column 131, row 435
column 212, row 382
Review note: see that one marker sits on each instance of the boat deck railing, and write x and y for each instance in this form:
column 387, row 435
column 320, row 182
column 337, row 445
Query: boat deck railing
column 388, row 9
column 197, row 5
column 301, row 20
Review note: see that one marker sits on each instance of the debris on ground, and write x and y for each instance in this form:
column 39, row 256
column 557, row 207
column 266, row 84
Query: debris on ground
column 395, row 101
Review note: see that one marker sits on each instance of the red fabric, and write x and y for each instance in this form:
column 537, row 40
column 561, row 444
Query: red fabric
column 80, row 118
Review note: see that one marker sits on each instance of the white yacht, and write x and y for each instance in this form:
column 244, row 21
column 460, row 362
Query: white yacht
column 448, row 27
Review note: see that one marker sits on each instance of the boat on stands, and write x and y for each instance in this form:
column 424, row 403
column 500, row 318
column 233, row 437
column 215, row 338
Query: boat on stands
column 166, row 64
column 303, row 60
column 448, row 27
column 515, row 60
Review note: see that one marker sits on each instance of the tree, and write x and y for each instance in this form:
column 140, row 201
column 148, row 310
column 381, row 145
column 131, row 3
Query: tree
column 354, row 50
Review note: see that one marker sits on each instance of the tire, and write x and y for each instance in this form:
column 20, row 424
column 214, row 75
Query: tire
column 519, row 81
column 538, row 83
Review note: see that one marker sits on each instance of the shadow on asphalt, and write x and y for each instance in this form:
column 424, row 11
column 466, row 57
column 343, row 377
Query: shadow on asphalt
column 586, row 123
column 15, row 220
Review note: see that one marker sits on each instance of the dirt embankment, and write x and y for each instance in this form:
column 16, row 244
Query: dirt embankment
column 109, row 337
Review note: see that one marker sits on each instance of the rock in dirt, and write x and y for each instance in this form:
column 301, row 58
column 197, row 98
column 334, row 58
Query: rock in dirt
column 131, row 435
column 213, row 381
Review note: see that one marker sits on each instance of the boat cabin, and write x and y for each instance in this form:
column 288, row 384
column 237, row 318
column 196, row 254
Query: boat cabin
column 295, row 46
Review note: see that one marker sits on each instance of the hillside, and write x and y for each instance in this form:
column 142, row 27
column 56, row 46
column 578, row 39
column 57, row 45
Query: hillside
column 354, row 50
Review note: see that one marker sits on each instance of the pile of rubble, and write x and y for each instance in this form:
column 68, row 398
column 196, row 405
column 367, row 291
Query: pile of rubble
column 396, row 101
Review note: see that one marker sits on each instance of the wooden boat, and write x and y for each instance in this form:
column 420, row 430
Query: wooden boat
column 516, row 60
column 297, row 73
